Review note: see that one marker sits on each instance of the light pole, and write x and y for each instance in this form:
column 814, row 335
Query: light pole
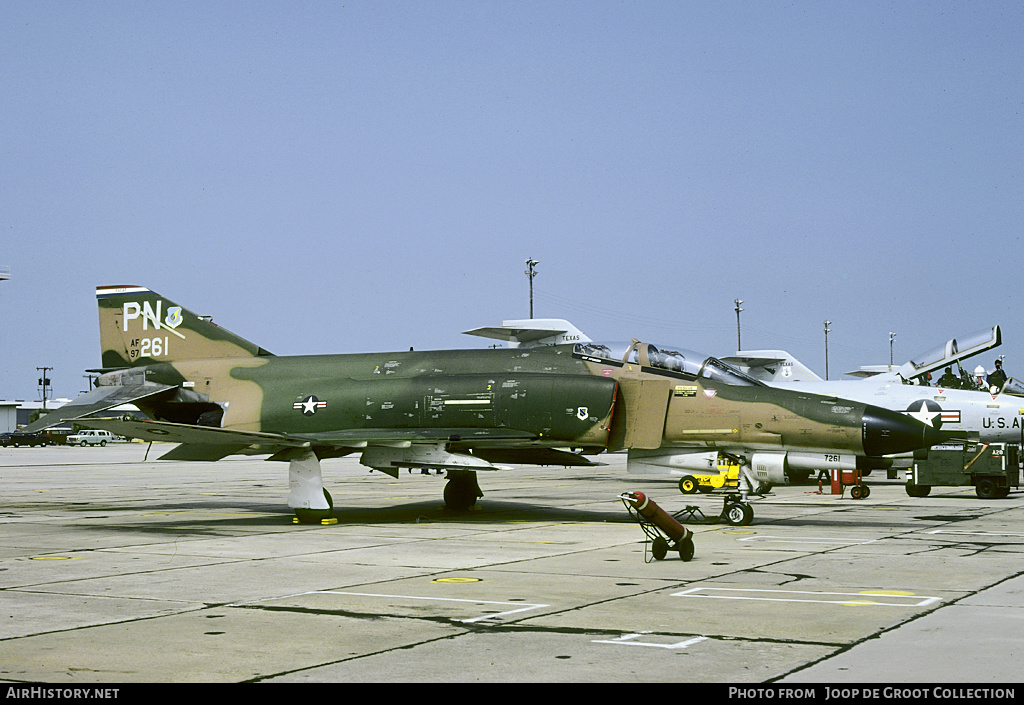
column 892, row 337
column 44, row 382
column 827, row 329
column 530, row 273
column 738, row 309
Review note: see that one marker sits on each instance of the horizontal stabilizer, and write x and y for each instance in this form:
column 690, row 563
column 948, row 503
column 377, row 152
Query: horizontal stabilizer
column 99, row 399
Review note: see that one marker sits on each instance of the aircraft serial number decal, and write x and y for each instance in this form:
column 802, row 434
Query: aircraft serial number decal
column 150, row 347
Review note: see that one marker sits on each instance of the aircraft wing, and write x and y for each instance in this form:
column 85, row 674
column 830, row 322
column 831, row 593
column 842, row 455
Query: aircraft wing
column 99, row 399
column 210, row 443
column 198, row 442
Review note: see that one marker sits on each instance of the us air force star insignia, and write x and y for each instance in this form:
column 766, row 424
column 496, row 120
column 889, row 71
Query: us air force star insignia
column 310, row 405
column 582, row 413
column 927, row 412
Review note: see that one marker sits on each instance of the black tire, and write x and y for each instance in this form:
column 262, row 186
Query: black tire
column 917, row 490
column 987, row 489
column 688, row 484
column 686, row 549
column 459, row 495
column 738, row 514
column 659, row 549
column 315, row 516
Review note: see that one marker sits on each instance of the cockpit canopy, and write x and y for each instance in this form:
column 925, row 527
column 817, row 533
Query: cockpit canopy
column 686, row 363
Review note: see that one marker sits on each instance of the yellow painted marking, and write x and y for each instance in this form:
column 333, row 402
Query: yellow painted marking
column 54, row 558
column 886, row 592
column 458, row 580
column 807, row 596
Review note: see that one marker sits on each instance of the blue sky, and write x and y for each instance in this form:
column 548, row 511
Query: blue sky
column 344, row 177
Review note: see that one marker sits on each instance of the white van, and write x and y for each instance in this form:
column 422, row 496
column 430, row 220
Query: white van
column 91, row 437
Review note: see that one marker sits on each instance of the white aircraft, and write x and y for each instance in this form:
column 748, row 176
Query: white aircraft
column 990, row 414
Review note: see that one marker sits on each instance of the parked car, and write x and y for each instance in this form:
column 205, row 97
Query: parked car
column 91, row 437
column 23, row 439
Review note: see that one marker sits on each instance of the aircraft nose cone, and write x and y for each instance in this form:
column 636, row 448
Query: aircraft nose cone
column 888, row 432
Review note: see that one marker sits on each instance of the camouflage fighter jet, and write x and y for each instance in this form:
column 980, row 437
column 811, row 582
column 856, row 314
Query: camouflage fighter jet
column 461, row 411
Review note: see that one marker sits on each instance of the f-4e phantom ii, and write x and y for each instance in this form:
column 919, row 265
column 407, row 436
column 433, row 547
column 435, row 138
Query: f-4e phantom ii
column 988, row 415
column 461, row 411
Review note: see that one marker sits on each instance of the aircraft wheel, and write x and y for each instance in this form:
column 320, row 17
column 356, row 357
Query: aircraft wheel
column 918, row 490
column 315, row 516
column 686, row 549
column 688, row 484
column 857, row 492
column 986, row 489
column 738, row 514
column 459, row 495
column 659, row 549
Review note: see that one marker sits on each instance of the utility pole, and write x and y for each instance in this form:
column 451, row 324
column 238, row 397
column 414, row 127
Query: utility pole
column 827, row 330
column 738, row 309
column 44, row 382
column 892, row 337
column 530, row 273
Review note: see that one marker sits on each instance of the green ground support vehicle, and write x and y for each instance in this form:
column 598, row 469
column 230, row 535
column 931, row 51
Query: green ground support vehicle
column 991, row 468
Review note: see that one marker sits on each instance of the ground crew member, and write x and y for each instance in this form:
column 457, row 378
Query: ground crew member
column 998, row 378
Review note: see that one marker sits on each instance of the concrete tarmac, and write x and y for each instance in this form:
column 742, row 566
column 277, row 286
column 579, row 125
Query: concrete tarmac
column 119, row 569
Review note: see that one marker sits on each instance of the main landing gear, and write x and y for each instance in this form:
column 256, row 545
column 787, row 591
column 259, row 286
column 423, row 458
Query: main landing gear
column 462, row 490
column 309, row 500
column 736, row 510
column 313, row 504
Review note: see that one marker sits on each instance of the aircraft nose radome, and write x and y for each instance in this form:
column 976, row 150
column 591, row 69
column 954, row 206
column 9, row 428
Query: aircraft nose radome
column 888, row 432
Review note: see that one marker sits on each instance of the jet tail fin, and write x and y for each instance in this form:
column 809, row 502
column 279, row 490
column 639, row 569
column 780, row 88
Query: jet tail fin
column 533, row 332
column 772, row 366
column 140, row 327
